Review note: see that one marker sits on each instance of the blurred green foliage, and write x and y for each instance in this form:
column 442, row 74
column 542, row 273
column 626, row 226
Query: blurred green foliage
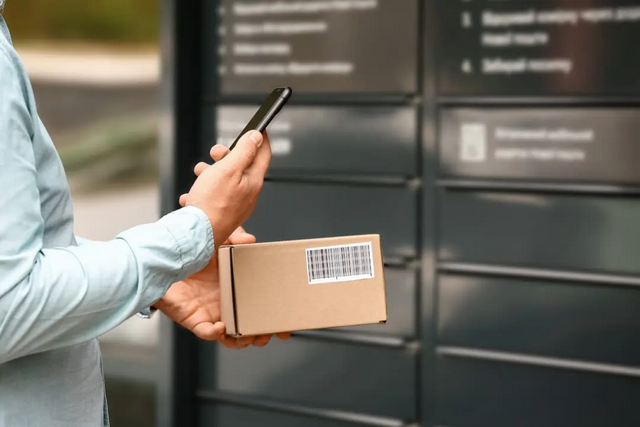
column 118, row 150
column 135, row 21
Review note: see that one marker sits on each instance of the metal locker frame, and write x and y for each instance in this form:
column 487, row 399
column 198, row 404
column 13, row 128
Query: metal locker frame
column 180, row 98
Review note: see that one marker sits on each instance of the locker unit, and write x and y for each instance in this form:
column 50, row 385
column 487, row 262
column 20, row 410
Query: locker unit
column 493, row 145
column 538, row 239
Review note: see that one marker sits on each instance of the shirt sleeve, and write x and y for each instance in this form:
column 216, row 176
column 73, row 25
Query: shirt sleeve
column 55, row 297
column 81, row 240
column 146, row 312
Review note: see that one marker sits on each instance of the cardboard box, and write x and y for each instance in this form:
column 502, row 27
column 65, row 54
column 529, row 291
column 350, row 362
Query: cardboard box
column 290, row 286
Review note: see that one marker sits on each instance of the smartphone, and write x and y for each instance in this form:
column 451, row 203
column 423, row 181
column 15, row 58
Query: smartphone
column 267, row 111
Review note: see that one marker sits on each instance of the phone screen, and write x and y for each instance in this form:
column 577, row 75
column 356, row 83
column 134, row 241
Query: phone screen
column 267, row 111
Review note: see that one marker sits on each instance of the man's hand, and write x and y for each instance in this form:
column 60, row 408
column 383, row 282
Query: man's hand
column 227, row 192
column 195, row 303
column 217, row 153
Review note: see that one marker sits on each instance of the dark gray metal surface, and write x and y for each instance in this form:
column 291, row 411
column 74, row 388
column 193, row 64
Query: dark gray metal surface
column 333, row 140
column 592, row 145
column 594, row 234
column 478, row 393
column 181, row 78
column 297, row 210
column 562, row 51
column 374, row 48
column 220, row 415
column 525, row 307
column 402, row 290
column 591, row 323
column 360, row 379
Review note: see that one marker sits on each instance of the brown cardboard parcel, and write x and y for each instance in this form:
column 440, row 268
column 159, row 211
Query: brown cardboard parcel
column 299, row 285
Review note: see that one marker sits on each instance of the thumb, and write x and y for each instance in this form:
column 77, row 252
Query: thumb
column 242, row 156
column 241, row 237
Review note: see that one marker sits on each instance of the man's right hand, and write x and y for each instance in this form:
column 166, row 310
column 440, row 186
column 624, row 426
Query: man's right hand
column 227, row 191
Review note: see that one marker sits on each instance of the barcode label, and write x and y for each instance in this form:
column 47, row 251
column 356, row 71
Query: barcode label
column 341, row 263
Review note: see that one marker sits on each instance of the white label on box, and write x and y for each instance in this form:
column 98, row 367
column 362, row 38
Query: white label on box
column 342, row 263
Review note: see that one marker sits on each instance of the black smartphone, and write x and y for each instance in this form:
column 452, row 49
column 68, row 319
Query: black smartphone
column 267, row 111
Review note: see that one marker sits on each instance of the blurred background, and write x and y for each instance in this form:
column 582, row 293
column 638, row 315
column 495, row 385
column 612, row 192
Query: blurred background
column 492, row 144
column 95, row 71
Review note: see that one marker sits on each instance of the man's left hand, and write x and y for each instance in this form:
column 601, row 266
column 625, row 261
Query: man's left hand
column 195, row 303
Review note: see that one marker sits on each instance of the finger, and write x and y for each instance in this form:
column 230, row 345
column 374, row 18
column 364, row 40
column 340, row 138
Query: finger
column 236, row 343
column 258, row 169
column 183, row 200
column 227, row 341
column 262, row 340
column 245, row 341
column 200, row 167
column 245, row 152
column 284, row 336
column 241, row 237
column 239, row 230
column 218, row 152
column 209, row 331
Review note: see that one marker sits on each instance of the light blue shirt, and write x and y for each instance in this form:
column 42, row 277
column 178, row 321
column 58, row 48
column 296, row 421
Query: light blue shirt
column 57, row 297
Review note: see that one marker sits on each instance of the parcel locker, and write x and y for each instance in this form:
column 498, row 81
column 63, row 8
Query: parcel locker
column 537, row 236
column 492, row 145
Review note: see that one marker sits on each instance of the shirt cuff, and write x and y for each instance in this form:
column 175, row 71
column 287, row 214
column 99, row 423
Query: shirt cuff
column 191, row 229
column 169, row 250
column 147, row 313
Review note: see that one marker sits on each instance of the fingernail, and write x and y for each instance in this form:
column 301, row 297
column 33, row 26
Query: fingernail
column 256, row 137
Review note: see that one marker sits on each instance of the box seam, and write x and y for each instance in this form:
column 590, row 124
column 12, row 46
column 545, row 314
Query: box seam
column 233, row 293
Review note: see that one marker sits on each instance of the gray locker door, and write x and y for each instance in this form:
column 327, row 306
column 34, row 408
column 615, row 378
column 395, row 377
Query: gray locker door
column 570, row 145
column 576, row 321
column 316, row 374
column 320, row 140
column 402, row 307
column 225, row 415
column 342, row 39
column 593, row 234
column 290, row 211
column 580, row 58
column 481, row 393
